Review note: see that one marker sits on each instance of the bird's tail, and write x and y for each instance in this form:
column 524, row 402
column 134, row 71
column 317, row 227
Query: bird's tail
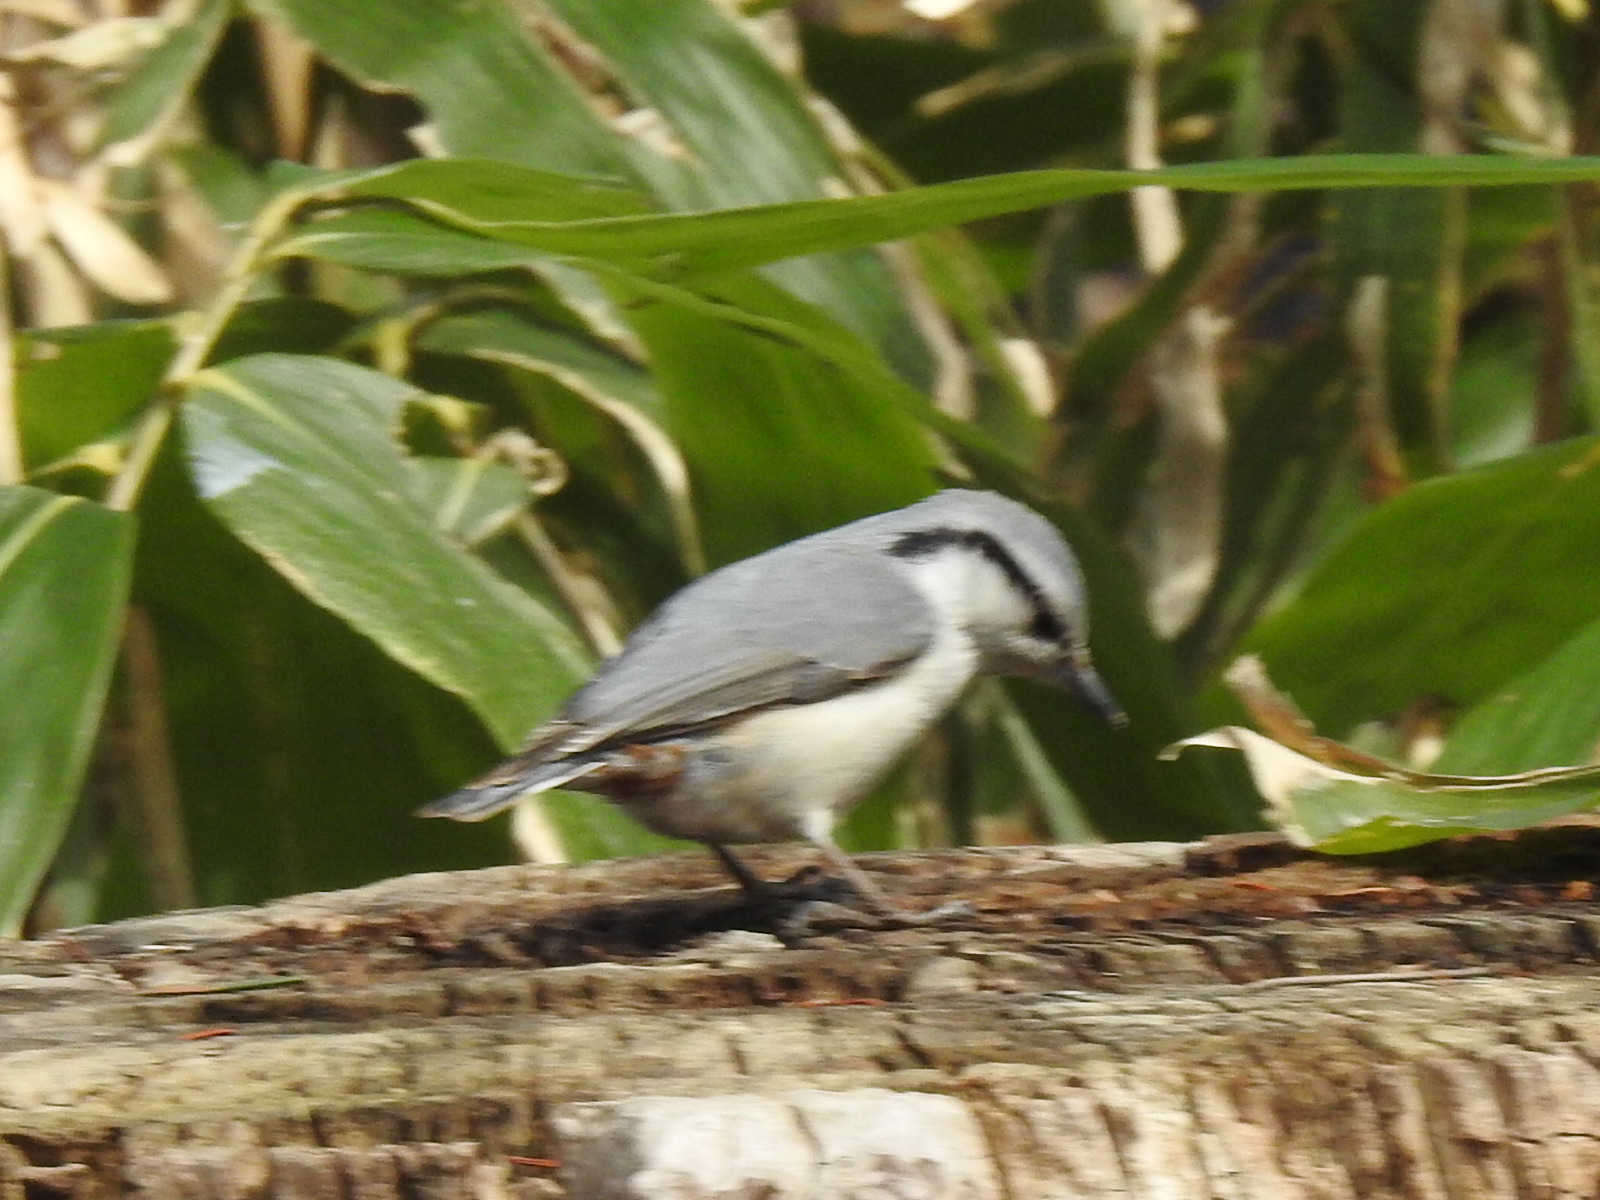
column 503, row 786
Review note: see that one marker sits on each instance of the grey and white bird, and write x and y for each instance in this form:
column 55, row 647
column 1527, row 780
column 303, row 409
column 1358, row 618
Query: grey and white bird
column 764, row 699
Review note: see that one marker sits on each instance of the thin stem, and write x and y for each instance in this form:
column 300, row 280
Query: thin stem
column 11, row 469
column 1367, row 328
column 153, row 803
column 1567, row 133
column 129, row 482
column 1062, row 811
column 193, row 349
column 241, row 273
column 582, row 596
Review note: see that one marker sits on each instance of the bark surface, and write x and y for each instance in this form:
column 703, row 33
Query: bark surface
column 1228, row 1019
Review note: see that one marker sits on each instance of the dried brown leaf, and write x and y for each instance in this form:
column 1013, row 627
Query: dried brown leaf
column 105, row 45
column 21, row 219
column 100, row 248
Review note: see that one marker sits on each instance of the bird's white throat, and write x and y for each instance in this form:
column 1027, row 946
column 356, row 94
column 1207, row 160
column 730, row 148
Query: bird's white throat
column 967, row 590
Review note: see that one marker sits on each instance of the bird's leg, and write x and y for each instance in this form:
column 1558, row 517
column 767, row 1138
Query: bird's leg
column 877, row 899
column 809, row 887
column 767, row 894
column 752, row 883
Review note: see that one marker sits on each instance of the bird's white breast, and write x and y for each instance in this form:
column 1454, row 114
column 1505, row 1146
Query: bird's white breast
column 822, row 756
column 786, row 772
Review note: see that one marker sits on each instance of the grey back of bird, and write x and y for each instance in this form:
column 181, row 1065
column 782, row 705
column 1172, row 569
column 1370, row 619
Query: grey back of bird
column 798, row 623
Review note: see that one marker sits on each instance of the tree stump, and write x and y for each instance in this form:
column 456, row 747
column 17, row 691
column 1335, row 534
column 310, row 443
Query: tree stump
column 1232, row 1018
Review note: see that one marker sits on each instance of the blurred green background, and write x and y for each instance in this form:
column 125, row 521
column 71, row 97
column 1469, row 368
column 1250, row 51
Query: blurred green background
column 375, row 365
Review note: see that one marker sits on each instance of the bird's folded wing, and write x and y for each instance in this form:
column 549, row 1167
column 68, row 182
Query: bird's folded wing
column 760, row 633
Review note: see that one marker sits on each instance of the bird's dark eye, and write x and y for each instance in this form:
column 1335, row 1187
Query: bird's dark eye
column 1046, row 627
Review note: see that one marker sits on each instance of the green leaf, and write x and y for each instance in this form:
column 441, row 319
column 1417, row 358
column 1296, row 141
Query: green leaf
column 1373, row 818
column 298, row 457
column 679, row 245
column 64, row 568
column 229, row 184
column 163, row 81
column 494, row 190
column 675, row 55
column 488, row 88
column 291, row 324
column 748, row 137
column 763, row 312
column 470, row 499
column 1547, row 716
column 1449, row 590
column 620, row 390
column 1341, row 811
column 736, row 130
column 81, row 384
column 575, row 363
column 743, row 403
column 381, row 239
column 276, row 705
column 300, row 747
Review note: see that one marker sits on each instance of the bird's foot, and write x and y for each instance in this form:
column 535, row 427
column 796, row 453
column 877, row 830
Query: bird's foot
column 813, row 902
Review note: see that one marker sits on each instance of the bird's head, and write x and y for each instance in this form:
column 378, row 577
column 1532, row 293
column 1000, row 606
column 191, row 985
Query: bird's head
column 1002, row 573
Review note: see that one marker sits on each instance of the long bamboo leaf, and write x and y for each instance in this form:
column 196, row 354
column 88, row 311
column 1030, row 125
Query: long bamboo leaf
column 64, row 570
column 297, row 456
column 678, row 245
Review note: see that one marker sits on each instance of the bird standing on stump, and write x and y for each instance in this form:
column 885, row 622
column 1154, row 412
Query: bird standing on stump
column 767, row 697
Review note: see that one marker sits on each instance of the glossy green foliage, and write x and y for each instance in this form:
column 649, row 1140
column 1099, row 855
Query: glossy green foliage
column 1450, row 590
column 572, row 216
column 298, row 457
column 1546, row 715
column 423, row 435
column 64, row 566
column 357, row 740
column 83, row 385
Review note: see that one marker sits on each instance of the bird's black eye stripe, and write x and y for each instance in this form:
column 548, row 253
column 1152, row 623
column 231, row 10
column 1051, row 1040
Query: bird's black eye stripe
column 922, row 543
column 1046, row 626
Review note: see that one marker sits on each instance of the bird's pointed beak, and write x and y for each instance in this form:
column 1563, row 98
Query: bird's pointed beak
column 1077, row 674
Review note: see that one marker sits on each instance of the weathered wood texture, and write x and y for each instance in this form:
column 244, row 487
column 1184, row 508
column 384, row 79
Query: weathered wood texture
column 1231, row 1019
